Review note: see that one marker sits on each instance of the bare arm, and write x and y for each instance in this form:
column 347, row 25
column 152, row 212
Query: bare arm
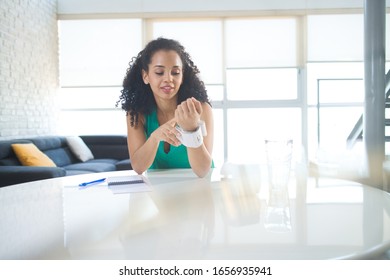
column 143, row 151
column 188, row 114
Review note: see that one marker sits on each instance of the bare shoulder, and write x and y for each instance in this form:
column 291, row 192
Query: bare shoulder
column 135, row 134
column 139, row 125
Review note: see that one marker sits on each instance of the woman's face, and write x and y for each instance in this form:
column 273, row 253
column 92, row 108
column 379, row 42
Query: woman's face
column 165, row 74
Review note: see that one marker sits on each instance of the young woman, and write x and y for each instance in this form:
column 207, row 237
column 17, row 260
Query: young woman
column 166, row 104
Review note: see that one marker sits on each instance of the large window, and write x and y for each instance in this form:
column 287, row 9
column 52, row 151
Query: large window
column 290, row 76
column 249, row 65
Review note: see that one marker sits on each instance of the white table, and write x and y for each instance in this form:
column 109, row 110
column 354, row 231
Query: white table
column 185, row 217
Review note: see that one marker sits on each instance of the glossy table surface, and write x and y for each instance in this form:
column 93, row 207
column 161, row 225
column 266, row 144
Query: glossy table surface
column 222, row 216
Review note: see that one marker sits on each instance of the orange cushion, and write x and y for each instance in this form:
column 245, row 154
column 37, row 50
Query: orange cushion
column 30, row 155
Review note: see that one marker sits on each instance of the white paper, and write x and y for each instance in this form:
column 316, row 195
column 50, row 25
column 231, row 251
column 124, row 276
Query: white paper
column 128, row 184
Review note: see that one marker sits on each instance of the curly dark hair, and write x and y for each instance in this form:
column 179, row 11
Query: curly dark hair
column 137, row 97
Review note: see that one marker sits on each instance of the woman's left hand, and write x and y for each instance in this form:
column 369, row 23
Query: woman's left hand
column 188, row 114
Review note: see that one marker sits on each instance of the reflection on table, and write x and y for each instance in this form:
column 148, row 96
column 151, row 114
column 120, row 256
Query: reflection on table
column 223, row 216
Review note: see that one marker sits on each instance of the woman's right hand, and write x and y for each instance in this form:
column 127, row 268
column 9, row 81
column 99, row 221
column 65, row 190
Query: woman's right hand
column 167, row 133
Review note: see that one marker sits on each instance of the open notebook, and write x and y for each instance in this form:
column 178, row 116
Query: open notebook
column 128, row 184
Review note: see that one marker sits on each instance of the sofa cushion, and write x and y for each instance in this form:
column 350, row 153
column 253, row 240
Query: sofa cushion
column 7, row 155
column 49, row 142
column 30, row 155
column 95, row 165
column 79, row 148
column 56, row 148
column 107, row 146
column 123, row 165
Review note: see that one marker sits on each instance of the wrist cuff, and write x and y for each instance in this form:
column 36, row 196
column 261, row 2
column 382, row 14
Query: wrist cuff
column 192, row 139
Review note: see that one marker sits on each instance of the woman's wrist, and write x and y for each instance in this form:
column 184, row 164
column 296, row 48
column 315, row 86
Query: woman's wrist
column 189, row 128
column 153, row 137
column 192, row 139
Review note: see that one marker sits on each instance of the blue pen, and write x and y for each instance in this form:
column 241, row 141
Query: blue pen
column 92, row 182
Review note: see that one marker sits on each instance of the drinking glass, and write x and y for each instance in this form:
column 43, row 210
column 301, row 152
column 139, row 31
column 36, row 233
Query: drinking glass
column 279, row 155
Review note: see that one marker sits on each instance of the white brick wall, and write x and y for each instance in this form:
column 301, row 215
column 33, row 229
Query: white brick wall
column 28, row 68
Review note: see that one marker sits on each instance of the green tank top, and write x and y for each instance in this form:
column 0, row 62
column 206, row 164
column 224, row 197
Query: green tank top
column 177, row 157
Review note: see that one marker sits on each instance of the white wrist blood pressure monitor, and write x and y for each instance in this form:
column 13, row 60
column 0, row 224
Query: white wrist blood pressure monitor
column 192, row 139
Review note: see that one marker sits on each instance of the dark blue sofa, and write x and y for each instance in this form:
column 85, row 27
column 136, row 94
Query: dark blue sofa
column 110, row 153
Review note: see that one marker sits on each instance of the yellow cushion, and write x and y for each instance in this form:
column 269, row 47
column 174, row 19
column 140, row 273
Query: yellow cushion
column 30, row 155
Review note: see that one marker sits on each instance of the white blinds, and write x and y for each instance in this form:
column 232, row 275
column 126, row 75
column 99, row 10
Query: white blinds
column 261, row 42
column 97, row 52
column 203, row 41
column 335, row 38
